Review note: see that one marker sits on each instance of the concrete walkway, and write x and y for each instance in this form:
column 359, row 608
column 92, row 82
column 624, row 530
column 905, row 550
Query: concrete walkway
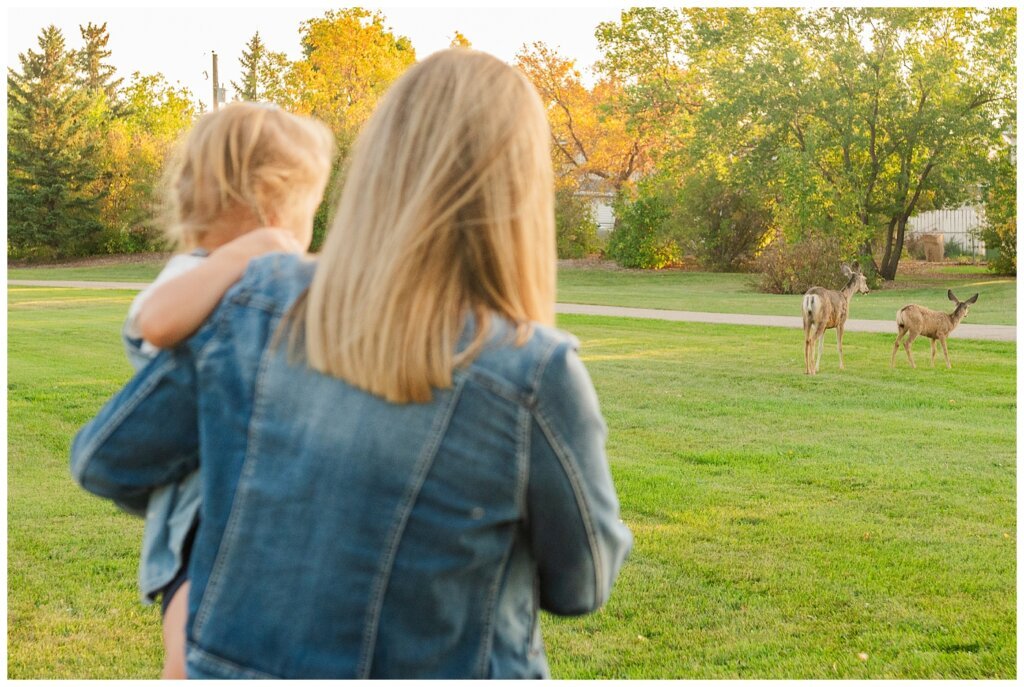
column 988, row 332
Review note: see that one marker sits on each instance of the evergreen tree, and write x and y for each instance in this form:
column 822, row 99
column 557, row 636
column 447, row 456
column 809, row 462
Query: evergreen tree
column 95, row 74
column 263, row 74
column 250, row 61
column 53, row 195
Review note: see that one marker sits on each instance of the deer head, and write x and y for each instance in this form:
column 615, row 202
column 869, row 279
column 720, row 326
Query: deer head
column 856, row 277
column 962, row 307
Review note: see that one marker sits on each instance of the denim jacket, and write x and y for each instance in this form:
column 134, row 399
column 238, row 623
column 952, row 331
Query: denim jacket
column 344, row 536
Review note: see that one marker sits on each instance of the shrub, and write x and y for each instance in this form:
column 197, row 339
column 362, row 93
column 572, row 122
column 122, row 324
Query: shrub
column 133, row 240
column 725, row 226
column 640, row 238
column 575, row 227
column 796, row 267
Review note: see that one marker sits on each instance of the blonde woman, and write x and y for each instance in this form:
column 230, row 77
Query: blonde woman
column 402, row 461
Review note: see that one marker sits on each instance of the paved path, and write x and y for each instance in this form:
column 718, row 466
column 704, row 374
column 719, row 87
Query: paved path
column 990, row 332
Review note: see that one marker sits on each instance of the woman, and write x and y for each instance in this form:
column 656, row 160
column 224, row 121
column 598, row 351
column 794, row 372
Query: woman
column 402, row 462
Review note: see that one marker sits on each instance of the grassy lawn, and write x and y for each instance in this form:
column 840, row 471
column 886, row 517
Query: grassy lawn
column 145, row 270
column 855, row 525
column 735, row 293
column 697, row 291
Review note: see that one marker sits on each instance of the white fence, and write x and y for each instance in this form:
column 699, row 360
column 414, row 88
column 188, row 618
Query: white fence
column 958, row 226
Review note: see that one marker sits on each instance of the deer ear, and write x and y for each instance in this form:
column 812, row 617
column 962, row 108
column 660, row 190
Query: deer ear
column 951, row 296
column 972, row 299
column 856, row 266
column 845, row 269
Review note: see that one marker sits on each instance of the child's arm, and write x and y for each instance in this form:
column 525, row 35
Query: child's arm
column 176, row 309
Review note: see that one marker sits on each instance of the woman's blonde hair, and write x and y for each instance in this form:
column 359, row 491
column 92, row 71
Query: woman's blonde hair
column 447, row 209
column 239, row 165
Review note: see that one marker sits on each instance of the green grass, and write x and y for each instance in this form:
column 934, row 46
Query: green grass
column 698, row 291
column 735, row 293
column 130, row 272
column 784, row 524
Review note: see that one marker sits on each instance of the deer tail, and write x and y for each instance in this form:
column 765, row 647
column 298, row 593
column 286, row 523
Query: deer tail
column 810, row 304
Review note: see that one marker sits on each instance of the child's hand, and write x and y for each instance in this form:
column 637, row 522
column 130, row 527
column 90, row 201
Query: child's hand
column 260, row 242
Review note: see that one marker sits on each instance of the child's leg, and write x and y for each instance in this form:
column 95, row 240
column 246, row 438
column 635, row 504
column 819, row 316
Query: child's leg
column 175, row 618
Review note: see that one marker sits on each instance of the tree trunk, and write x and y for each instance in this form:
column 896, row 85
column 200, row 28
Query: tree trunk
column 892, row 257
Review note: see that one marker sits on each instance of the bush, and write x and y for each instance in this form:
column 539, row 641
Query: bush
column 796, row 267
column 575, row 227
column 133, row 240
column 725, row 225
column 640, row 238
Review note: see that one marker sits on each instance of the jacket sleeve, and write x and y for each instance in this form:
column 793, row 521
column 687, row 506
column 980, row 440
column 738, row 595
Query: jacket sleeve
column 576, row 535
column 144, row 437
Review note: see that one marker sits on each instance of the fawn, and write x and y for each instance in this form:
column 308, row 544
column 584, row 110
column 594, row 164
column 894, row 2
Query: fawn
column 825, row 309
column 917, row 320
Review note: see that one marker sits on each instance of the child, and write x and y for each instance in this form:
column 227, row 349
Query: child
column 247, row 180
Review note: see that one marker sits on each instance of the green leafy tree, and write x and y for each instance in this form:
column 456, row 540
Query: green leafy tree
column 264, row 74
column 1000, row 230
column 53, row 194
column 135, row 150
column 857, row 118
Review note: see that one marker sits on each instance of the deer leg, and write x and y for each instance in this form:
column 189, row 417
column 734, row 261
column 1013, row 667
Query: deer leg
column 945, row 352
column 896, row 347
column 933, row 352
column 839, row 345
column 820, row 335
column 908, row 343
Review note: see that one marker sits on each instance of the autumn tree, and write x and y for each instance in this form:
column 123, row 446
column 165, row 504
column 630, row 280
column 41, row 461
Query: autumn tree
column 264, row 74
column 53, row 196
column 135, row 150
column 590, row 140
column 349, row 59
column 459, row 41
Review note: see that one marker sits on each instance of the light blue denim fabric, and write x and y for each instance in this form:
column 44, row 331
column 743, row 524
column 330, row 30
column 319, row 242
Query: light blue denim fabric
column 170, row 510
column 343, row 536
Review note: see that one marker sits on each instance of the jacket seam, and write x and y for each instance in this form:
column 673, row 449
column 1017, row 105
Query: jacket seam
column 568, row 466
column 424, row 462
column 203, row 656
column 542, row 363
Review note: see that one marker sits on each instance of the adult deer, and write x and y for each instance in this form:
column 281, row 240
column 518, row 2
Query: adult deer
column 917, row 320
column 826, row 309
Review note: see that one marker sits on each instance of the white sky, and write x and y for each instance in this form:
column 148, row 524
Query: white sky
column 177, row 41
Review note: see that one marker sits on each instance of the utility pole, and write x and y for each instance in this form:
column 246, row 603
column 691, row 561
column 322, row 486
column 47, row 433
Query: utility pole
column 216, row 86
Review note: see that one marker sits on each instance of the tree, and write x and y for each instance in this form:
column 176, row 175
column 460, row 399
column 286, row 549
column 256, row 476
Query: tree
column 135, row 151
column 95, row 74
column 862, row 116
column 349, row 60
column 459, row 41
column 264, row 74
column 53, row 197
column 591, row 143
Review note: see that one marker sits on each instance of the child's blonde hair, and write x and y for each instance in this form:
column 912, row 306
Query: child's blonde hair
column 239, row 165
column 447, row 209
